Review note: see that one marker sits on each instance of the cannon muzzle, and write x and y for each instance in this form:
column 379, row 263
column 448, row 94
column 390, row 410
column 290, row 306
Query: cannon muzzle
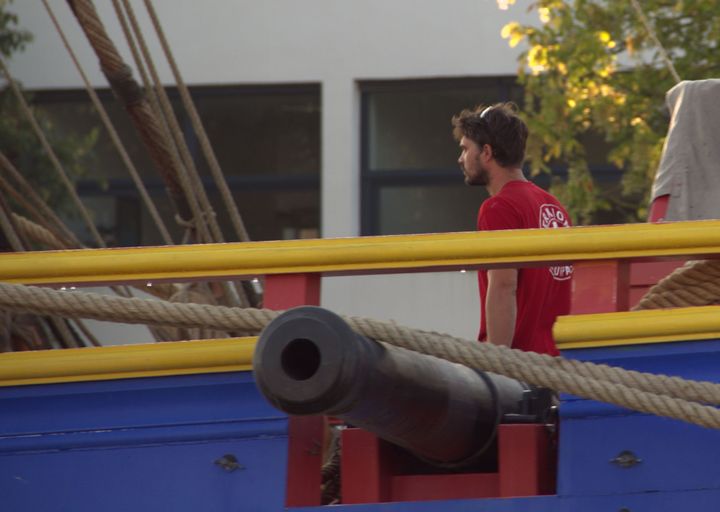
column 309, row 361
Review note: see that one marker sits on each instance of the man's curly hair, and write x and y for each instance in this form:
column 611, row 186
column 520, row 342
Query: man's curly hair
column 498, row 126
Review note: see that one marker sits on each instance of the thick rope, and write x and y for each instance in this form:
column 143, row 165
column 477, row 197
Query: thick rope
column 59, row 325
column 37, row 233
column 33, row 203
column 190, row 178
column 21, row 201
column 213, row 163
column 52, row 156
column 137, row 59
column 128, row 91
column 149, row 204
column 194, row 191
column 665, row 396
column 8, row 227
column 189, row 225
column 697, row 283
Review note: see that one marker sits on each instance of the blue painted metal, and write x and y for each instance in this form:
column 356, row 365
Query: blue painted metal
column 141, row 444
column 151, row 444
column 675, row 456
column 695, row 501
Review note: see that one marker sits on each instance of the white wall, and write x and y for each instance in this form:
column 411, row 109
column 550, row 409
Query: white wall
column 333, row 42
column 241, row 41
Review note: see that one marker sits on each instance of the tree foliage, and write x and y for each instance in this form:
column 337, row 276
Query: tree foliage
column 592, row 68
column 19, row 143
column 12, row 39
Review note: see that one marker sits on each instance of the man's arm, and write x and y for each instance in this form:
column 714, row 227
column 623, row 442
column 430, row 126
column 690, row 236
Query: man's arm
column 501, row 306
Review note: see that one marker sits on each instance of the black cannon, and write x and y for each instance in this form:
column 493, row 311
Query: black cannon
column 309, row 361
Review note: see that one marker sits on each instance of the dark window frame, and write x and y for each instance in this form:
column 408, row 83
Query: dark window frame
column 373, row 180
column 124, row 187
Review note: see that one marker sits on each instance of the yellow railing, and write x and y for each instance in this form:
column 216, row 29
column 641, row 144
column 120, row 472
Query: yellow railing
column 364, row 254
column 126, row 361
column 637, row 327
column 235, row 354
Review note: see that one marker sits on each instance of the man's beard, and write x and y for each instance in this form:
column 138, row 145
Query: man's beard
column 480, row 179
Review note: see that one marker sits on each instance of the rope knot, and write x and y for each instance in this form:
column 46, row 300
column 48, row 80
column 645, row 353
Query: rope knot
column 192, row 222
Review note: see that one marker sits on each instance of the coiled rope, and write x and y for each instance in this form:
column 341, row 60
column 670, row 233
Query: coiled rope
column 697, row 283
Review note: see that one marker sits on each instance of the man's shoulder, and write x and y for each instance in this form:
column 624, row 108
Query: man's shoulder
column 496, row 203
column 498, row 213
column 528, row 194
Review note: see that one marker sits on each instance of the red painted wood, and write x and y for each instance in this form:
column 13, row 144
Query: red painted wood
column 371, row 473
column 364, row 468
column 647, row 274
column 607, row 286
column 658, row 208
column 305, row 433
column 600, row 287
column 644, row 275
column 305, row 444
column 444, row 487
column 286, row 291
column 525, row 461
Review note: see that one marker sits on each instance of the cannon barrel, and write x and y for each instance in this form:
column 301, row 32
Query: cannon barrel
column 309, row 361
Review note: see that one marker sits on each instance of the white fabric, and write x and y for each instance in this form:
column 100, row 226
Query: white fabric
column 689, row 168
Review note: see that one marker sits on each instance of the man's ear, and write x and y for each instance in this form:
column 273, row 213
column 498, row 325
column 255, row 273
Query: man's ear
column 487, row 152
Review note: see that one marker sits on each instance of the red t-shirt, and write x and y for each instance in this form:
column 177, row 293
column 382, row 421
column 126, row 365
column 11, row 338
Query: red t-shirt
column 542, row 293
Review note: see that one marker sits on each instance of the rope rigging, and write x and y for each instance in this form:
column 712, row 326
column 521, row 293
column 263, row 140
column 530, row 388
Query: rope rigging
column 49, row 231
column 51, row 155
column 698, row 283
column 662, row 395
column 204, row 218
column 149, row 204
column 127, row 90
column 213, row 163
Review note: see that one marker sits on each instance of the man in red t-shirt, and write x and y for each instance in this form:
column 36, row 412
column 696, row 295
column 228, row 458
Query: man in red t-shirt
column 518, row 307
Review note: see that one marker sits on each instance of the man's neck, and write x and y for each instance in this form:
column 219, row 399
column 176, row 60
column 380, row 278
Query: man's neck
column 502, row 178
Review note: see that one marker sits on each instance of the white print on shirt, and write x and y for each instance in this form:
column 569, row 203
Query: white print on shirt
column 552, row 216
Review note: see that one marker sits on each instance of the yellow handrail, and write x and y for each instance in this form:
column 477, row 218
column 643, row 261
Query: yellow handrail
column 364, row 254
column 126, row 361
column 637, row 327
column 235, row 354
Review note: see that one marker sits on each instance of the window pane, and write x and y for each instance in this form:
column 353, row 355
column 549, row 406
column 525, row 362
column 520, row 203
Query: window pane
column 429, row 209
column 409, row 127
column 77, row 118
column 266, row 138
column 276, row 214
column 262, row 133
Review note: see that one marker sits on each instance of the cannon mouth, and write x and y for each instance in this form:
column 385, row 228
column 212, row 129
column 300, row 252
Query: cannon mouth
column 300, row 359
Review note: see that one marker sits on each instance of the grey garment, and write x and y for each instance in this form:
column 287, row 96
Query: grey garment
column 689, row 168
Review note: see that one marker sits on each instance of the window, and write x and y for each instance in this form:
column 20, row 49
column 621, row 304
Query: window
column 266, row 139
column 411, row 182
column 410, row 176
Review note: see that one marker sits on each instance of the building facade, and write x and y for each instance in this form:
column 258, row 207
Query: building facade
column 329, row 118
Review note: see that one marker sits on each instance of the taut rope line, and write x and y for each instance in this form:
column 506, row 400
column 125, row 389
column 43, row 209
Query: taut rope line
column 112, row 132
column 194, row 190
column 37, row 233
column 128, row 91
column 199, row 128
column 31, row 201
column 54, row 160
column 664, row 396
